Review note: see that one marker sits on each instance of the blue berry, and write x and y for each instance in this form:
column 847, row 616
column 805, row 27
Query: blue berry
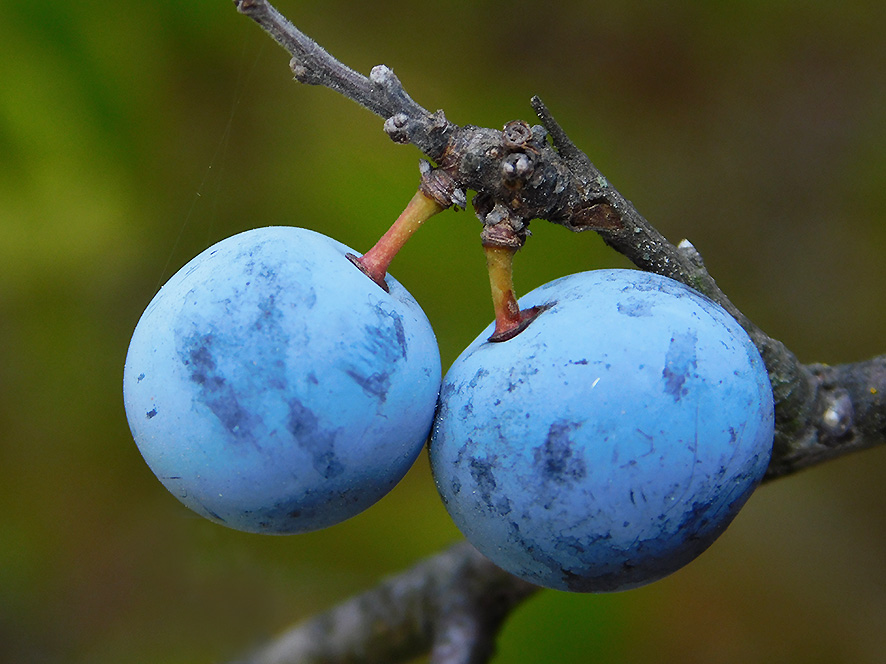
column 272, row 387
column 611, row 441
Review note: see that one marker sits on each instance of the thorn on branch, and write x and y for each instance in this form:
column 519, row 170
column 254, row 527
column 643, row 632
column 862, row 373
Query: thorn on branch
column 688, row 249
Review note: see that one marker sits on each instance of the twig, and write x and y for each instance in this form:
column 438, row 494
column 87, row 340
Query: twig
column 450, row 605
column 453, row 604
column 518, row 176
column 381, row 92
column 848, row 415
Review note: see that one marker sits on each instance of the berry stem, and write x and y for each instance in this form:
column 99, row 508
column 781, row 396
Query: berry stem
column 375, row 262
column 510, row 320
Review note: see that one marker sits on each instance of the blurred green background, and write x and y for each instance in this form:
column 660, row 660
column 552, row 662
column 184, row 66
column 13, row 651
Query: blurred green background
column 135, row 134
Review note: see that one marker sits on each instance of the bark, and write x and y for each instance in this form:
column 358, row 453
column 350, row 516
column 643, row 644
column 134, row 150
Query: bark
column 450, row 605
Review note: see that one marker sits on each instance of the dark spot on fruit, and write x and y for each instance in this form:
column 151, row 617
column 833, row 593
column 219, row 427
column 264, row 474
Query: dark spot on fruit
column 269, row 315
column 482, row 473
column 503, row 506
column 696, row 519
column 199, row 359
column 375, row 385
column 308, row 296
column 680, row 361
column 480, row 375
column 468, row 409
column 151, row 413
column 635, row 307
column 649, row 439
column 387, row 337
column 215, row 392
column 556, row 459
column 208, row 511
column 231, row 414
column 615, row 577
column 573, row 545
column 309, row 434
column 384, row 346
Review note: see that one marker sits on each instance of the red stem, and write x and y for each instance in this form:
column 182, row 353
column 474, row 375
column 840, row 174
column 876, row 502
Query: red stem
column 510, row 320
column 375, row 262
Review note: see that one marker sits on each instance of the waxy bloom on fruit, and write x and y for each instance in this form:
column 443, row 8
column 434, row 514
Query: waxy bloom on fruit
column 609, row 442
column 273, row 387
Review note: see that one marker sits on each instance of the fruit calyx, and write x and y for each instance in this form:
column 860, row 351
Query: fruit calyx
column 515, row 326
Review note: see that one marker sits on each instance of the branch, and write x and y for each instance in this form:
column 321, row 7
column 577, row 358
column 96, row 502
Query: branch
column 520, row 175
column 793, row 385
column 454, row 603
column 382, row 93
column 848, row 415
column 450, row 605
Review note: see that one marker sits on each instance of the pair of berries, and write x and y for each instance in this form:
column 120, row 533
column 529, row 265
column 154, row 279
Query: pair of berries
column 599, row 442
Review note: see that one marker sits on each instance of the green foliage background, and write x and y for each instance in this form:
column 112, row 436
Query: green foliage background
column 135, row 134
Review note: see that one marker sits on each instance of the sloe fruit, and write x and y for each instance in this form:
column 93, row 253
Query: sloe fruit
column 272, row 387
column 611, row 441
